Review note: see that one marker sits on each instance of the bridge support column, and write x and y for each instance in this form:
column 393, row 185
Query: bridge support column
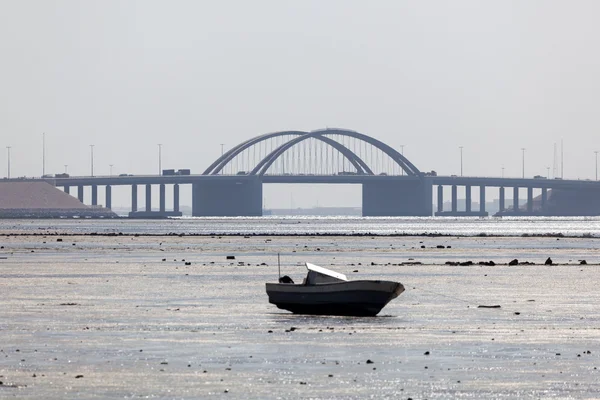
column 80, row 193
column 481, row 199
column 440, row 199
column 515, row 199
column 468, row 198
column 544, row 197
column 133, row 198
column 94, row 195
column 67, row 189
column 236, row 197
column 176, row 197
column 397, row 198
column 108, row 195
column 454, row 199
column 148, row 197
column 529, row 199
column 501, row 200
column 162, row 197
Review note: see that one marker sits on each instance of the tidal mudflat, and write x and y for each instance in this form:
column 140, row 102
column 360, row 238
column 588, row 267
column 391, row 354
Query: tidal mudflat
column 86, row 317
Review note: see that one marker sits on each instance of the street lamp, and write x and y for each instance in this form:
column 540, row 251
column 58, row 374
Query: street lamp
column 596, row 153
column 43, row 153
column 548, row 172
column 92, row 159
column 222, row 144
column 110, row 165
column 461, row 160
column 503, row 171
column 523, row 159
column 66, row 166
column 159, row 158
column 8, row 151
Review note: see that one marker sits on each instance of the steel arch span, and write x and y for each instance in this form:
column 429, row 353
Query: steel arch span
column 324, row 152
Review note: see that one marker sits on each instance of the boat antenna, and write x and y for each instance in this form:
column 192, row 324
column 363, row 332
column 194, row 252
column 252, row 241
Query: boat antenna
column 279, row 265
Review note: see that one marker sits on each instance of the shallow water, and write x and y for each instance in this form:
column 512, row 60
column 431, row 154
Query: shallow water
column 380, row 226
column 135, row 326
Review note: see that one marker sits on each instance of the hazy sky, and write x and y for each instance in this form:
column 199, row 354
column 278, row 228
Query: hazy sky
column 493, row 77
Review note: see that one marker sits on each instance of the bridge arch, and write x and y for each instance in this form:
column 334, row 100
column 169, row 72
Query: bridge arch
column 297, row 137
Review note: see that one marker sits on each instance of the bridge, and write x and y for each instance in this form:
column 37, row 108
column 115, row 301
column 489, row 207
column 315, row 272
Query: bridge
column 391, row 184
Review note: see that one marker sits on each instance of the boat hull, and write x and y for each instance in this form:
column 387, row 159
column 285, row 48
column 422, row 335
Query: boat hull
column 354, row 298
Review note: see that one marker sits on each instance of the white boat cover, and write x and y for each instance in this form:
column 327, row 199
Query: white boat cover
column 325, row 271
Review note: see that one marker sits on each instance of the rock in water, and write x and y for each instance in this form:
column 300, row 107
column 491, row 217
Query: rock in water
column 514, row 262
column 548, row 261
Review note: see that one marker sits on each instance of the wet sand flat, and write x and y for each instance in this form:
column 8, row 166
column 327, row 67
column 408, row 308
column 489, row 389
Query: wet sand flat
column 124, row 317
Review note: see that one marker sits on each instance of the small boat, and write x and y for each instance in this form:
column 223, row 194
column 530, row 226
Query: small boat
column 326, row 292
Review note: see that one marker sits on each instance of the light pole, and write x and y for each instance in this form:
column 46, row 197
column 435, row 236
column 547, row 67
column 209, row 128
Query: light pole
column 548, row 173
column 523, row 159
column 461, row 160
column 222, row 144
column 92, row 159
column 159, row 158
column 402, row 152
column 66, row 166
column 110, row 165
column 8, row 151
column 596, row 153
column 503, row 171
column 43, row 153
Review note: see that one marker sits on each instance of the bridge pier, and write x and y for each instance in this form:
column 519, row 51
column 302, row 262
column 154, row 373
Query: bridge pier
column 94, row 195
column 176, row 197
column 516, row 199
column 147, row 211
column 468, row 198
column 108, row 195
column 482, row 199
column 236, row 197
column 393, row 198
column 162, row 197
column 544, row 197
column 133, row 198
column 80, row 193
column 501, row 199
column 440, row 198
column 468, row 210
column 148, row 198
column 529, row 199
column 67, row 189
column 454, row 199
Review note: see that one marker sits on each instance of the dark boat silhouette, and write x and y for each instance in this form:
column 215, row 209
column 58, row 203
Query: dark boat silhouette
column 326, row 292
